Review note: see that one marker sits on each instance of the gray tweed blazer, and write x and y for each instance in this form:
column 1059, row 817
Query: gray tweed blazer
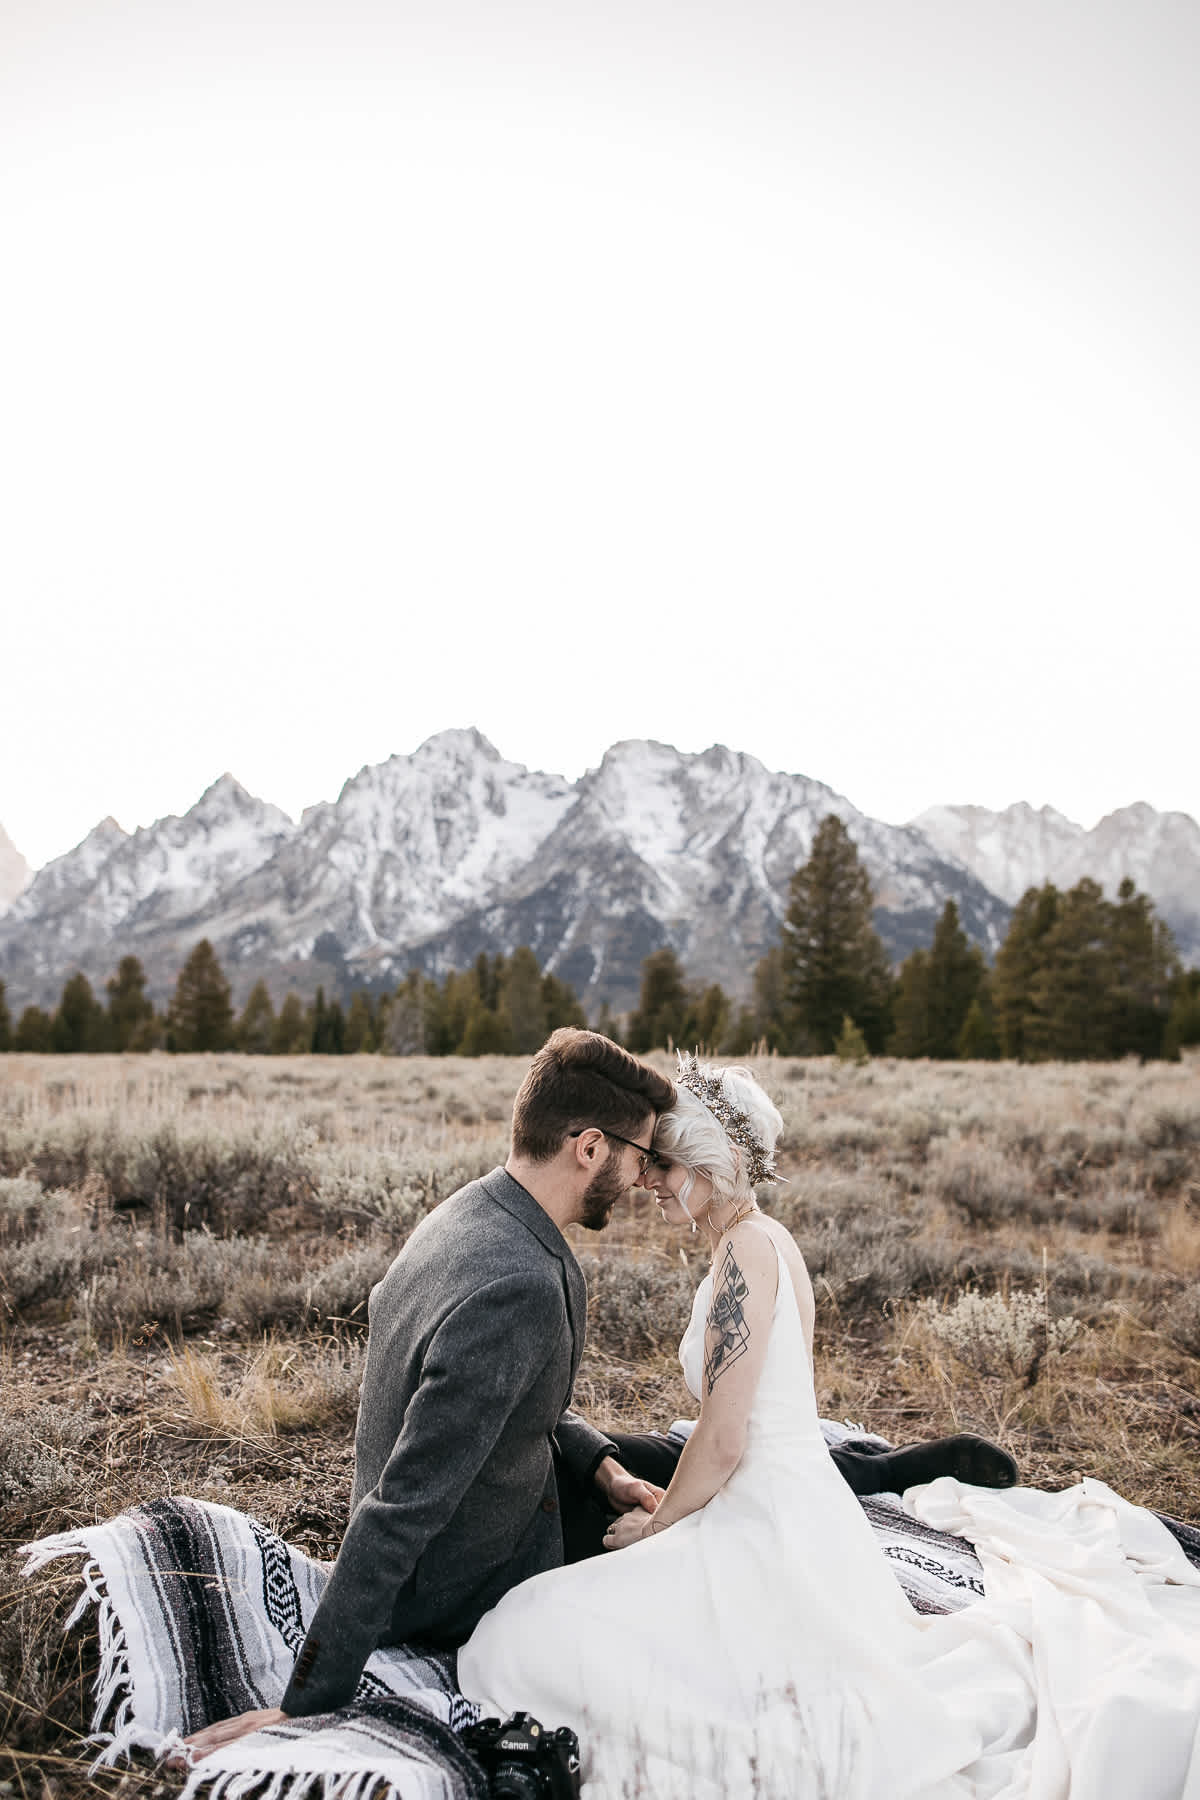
column 476, row 1332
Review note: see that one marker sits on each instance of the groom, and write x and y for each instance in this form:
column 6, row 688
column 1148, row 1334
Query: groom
column 470, row 1467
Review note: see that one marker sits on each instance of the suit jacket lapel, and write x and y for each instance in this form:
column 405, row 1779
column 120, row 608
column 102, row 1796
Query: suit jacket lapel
column 518, row 1201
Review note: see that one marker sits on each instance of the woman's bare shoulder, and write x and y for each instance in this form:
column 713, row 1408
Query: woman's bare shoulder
column 752, row 1246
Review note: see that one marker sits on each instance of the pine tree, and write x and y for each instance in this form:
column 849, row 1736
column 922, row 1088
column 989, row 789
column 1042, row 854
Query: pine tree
column 1144, row 970
column 521, row 996
column 662, row 1011
column 130, row 1010
column 255, row 1032
column 956, row 969
column 851, row 1045
column 606, row 1024
column 328, row 1028
column 772, row 1023
column 6, row 1032
column 437, row 1038
column 1183, row 1020
column 360, row 1024
column 834, row 964
column 977, row 1041
column 489, row 972
column 910, row 1008
column 200, row 1016
column 406, row 1017
column 740, row 1037
column 316, row 1023
column 488, row 1032
column 79, row 1021
column 35, row 1031
column 293, row 1032
column 1020, row 964
column 1072, row 989
column 562, row 1005
column 709, row 1022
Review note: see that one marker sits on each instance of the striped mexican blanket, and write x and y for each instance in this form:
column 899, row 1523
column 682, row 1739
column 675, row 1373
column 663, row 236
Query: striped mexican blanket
column 200, row 1612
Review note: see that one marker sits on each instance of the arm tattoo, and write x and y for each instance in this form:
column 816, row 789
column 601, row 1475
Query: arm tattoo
column 728, row 1333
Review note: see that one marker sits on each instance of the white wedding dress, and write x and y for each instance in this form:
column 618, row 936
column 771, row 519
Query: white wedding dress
column 762, row 1646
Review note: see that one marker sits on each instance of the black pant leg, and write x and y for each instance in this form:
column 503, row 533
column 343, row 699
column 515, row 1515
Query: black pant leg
column 863, row 1471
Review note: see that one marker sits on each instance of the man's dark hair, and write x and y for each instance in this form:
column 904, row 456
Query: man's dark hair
column 577, row 1079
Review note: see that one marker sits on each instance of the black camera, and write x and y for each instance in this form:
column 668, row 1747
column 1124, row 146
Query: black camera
column 525, row 1762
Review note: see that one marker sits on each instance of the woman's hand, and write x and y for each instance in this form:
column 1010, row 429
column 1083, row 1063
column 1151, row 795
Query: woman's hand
column 627, row 1530
column 227, row 1731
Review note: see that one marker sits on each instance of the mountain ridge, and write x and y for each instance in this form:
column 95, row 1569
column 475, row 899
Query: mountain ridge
column 430, row 857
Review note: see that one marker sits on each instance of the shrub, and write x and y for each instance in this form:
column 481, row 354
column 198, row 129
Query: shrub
column 1171, row 1128
column 637, row 1305
column 184, row 1285
column 1169, row 1169
column 36, row 1449
column 338, row 1292
column 1126, row 1212
column 841, row 1134
column 1182, row 1322
column 21, row 1205
column 983, row 1183
column 863, row 1262
column 56, row 1241
column 813, row 1195
column 998, row 1334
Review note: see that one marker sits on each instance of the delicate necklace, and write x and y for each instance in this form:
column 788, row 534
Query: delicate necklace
column 739, row 1215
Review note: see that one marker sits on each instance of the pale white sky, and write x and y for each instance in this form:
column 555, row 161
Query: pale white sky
column 822, row 379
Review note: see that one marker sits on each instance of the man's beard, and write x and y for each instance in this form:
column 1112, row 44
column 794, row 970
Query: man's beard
column 601, row 1195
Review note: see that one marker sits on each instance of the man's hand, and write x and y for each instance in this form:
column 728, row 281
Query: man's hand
column 227, row 1731
column 624, row 1491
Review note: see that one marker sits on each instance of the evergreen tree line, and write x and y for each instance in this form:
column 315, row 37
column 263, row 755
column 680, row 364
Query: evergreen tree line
column 501, row 1005
column 1077, row 976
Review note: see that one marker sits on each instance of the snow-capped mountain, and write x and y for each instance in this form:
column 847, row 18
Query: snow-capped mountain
column 428, row 859
column 122, row 891
column 14, row 870
column 695, row 851
column 407, row 848
column 1019, row 848
column 1010, row 850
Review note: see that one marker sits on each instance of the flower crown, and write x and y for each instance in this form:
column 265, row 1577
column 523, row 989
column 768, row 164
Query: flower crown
column 710, row 1091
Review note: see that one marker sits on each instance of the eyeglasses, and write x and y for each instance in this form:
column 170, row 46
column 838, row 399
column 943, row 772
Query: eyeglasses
column 646, row 1158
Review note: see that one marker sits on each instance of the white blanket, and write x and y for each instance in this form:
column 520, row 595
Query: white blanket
column 1082, row 1664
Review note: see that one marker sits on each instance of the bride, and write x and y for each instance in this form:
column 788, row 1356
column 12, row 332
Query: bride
column 748, row 1638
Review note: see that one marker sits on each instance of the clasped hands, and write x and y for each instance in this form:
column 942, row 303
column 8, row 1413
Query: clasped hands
column 633, row 1499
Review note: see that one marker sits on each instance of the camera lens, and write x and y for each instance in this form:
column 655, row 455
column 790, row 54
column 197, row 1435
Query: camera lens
column 516, row 1781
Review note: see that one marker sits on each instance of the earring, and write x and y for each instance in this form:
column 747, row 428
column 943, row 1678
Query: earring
column 685, row 1194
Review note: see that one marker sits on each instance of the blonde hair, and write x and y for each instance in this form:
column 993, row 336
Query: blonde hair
column 692, row 1136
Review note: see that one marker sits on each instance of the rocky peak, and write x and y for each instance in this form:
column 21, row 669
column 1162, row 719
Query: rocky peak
column 458, row 743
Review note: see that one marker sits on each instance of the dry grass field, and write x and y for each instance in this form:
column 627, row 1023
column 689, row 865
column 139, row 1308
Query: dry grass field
column 187, row 1244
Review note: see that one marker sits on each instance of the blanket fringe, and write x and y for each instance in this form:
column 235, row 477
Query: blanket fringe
column 113, row 1686
column 292, row 1784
